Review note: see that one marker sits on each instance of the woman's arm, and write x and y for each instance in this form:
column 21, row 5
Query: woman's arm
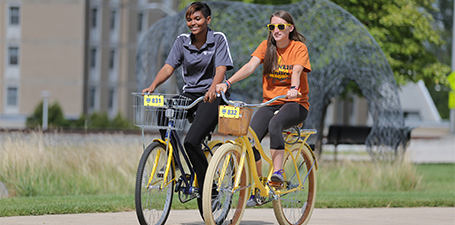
column 164, row 74
column 241, row 74
column 220, row 72
column 295, row 82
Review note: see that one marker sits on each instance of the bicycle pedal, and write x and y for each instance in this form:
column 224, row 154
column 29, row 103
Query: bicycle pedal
column 160, row 173
column 276, row 185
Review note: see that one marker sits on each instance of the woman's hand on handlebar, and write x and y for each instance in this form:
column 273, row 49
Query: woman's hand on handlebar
column 222, row 87
column 292, row 93
column 148, row 90
column 210, row 95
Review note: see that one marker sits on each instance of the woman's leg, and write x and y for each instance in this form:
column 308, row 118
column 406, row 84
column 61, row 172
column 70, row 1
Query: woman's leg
column 204, row 122
column 259, row 123
column 290, row 114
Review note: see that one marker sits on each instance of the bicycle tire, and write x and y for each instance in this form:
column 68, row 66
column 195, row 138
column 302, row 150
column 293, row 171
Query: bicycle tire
column 227, row 207
column 296, row 207
column 150, row 209
column 213, row 145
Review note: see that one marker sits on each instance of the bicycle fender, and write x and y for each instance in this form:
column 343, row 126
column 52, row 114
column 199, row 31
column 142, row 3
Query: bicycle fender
column 214, row 143
column 312, row 153
column 232, row 142
column 314, row 156
column 160, row 141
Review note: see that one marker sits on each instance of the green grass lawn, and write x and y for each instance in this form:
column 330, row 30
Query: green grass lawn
column 436, row 188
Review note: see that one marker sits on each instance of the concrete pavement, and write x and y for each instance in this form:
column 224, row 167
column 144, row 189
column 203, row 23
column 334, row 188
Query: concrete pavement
column 362, row 216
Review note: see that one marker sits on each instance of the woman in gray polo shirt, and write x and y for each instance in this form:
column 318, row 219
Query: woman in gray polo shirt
column 205, row 57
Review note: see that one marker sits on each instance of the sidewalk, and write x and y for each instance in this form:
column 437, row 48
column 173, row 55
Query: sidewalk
column 362, row 216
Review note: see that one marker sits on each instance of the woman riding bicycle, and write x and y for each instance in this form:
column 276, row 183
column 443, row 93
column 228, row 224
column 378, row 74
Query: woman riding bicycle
column 286, row 64
column 205, row 57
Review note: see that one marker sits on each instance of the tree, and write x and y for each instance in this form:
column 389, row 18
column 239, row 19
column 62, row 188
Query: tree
column 415, row 37
column 444, row 19
column 403, row 29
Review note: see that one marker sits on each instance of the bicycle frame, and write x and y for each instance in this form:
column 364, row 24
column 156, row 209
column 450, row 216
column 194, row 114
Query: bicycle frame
column 174, row 148
column 233, row 181
column 243, row 142
column 173, row 160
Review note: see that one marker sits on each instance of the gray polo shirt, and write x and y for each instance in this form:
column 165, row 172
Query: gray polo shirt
column 199, row 65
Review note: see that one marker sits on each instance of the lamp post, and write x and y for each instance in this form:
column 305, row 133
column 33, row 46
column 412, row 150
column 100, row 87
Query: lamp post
column 45, row 95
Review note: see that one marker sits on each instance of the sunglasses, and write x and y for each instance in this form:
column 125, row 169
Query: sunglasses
column 280, row 26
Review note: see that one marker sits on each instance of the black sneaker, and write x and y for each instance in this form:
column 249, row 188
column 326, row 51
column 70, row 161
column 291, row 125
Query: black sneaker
column 161, row 172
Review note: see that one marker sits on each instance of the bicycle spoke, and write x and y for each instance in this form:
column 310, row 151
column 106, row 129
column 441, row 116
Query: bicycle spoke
column 296, row 206
column 222, row 204
column 153, row 195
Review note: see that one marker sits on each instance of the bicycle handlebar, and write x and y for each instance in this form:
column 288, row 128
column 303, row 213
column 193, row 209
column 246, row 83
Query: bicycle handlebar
column 243, row 104
column 192, row 104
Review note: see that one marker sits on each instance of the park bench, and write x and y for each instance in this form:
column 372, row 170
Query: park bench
column 347, row 135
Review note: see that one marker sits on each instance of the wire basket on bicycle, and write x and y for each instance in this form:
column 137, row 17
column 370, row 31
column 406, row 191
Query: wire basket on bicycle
column 153, row 111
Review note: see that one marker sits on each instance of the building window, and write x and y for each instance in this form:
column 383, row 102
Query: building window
column 92, row 94
column 13, row 56
column 112, row 59
column 94, row 17
column 93, row 58
column 113, row 19
column 14, row 14
column 140, row 17
column 11, row 96
column 111, row 98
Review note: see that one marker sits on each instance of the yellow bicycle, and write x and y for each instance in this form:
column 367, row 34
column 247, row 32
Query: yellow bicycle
column 156, row 178
column 232, row 174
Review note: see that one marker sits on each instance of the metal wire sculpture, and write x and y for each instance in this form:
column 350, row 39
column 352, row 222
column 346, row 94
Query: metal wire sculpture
column 341, row 50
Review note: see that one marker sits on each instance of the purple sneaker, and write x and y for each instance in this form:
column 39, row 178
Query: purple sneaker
column 251, row 202
column 277, row 176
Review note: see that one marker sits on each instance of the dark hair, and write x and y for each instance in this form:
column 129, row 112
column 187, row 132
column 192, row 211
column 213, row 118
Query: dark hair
column 271, row 58
column 198, row 6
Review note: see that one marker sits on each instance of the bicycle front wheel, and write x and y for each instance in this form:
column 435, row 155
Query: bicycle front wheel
column 296, row 207
column 153, row 202
column 221, row 204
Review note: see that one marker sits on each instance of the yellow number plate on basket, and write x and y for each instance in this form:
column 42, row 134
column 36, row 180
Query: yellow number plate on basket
column 154, row 100
column 229, row 111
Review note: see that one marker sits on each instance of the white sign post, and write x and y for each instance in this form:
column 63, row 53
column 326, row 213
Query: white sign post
column 45, row 95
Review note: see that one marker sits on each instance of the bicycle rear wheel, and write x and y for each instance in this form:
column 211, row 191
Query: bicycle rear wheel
column 153, row 203
column 220, row 205
column 296, row 207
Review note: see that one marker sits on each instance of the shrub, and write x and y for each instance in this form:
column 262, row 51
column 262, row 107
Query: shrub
column 120, row 122
column 55, row 116
column 99, row 121
column 56, row 119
